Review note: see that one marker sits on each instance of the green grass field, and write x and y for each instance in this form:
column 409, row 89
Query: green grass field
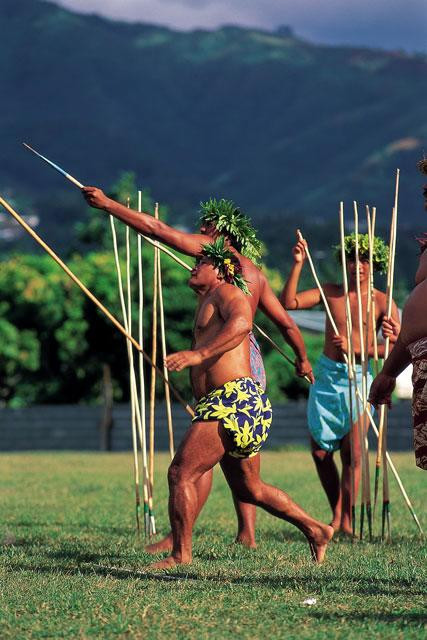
column 72, row 566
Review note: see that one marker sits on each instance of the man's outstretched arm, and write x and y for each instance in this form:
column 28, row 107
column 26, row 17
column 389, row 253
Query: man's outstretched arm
column 188, row 243
column 270, row 305
column 237, row 315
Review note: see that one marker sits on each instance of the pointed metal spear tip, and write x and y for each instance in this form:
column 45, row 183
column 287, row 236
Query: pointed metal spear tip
column 28, row 147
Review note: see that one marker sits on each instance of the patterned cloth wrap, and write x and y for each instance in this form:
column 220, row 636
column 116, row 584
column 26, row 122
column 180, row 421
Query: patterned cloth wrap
column 257, row 364
column 244, row 411
column 418, row 351
column 328, row 408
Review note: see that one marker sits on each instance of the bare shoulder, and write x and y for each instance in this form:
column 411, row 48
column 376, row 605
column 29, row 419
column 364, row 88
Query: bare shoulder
column 380, row 300
column 332, row 289
column 227, row 293
column 249, row 268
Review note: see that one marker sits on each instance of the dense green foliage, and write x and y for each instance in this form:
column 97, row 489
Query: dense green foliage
column 227, row 218
column 72, row 567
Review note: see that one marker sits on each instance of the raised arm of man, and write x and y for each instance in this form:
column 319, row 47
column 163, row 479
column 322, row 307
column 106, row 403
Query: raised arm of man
column 270, row 305
column 236, row 313
column 188, row 243
column 290, row 298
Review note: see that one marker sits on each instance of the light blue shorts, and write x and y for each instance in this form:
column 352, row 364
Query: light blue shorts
column 328, row 408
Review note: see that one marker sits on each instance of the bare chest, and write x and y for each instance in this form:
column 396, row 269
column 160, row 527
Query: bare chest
column 207, row 320
column 338, row 308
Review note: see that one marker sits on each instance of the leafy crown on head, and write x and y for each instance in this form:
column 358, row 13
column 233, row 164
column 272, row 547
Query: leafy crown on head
column 228, row 219
column 380, row 250
column 226, row 262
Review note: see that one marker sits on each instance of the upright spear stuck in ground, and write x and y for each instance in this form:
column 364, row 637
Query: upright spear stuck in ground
column 382, row 439
column 351, row 381
column 142, row 377
column 163, row 343
column 366, row 493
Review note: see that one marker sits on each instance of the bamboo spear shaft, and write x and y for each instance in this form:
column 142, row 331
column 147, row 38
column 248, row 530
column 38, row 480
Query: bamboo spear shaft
column 389, row 299
column 371, row 231
column 133, row 389
column 349, row 370
column 91, row 296
column 366, row 408
column 163, row 342
column 371, row 326
column 397, row 477
column 362, row 416
column 142, row 377
column 386, row 489
column 130, row 361
column 153, row 369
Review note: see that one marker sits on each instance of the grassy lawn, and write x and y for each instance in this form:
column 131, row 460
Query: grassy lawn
column 72, row 567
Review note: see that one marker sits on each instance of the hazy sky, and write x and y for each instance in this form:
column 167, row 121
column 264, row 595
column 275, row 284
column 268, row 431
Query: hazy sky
column 391, row 24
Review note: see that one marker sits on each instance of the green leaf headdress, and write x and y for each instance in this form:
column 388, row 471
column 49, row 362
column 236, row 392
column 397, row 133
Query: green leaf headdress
column 226, row 262
column 379, row 253
column 227, row 218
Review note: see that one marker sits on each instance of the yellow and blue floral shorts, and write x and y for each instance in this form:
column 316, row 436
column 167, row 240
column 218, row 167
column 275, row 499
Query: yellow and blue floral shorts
column 244, row 411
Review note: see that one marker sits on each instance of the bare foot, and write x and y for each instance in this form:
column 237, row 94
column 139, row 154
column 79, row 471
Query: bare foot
column 165, row 544
column 319, row 542
column 246, row 542
column 166, row 563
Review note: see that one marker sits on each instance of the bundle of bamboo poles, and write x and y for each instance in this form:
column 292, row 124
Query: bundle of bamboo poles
column 137, row 394
column 358, row 393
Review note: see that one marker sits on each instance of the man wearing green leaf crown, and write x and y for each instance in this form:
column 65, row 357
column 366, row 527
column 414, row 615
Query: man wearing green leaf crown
column 220, row 218
column 329, row 402
column 232, row 415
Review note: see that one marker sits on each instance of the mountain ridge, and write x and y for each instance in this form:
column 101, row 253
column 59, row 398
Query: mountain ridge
column 278, row 124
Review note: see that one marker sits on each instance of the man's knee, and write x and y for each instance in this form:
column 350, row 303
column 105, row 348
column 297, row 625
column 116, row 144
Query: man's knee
column 251, row 492
column 320, row 455
column 176, row 474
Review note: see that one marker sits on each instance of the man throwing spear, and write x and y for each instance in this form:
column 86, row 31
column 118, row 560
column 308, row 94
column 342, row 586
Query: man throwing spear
column 329, row 403
column 220, row 218
column 232, row 414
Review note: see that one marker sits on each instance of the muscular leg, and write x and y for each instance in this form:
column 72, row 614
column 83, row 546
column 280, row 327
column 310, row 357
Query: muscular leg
column 243, row 477
column 345, row 524
column 328, row 474
column 246, row 515
column 203, row 488
column 203, row 447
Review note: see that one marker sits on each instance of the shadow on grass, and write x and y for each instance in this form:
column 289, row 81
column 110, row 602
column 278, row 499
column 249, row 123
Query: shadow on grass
column 399, row 618
column 75, row 527
column 325, row 583
column 296, row 536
